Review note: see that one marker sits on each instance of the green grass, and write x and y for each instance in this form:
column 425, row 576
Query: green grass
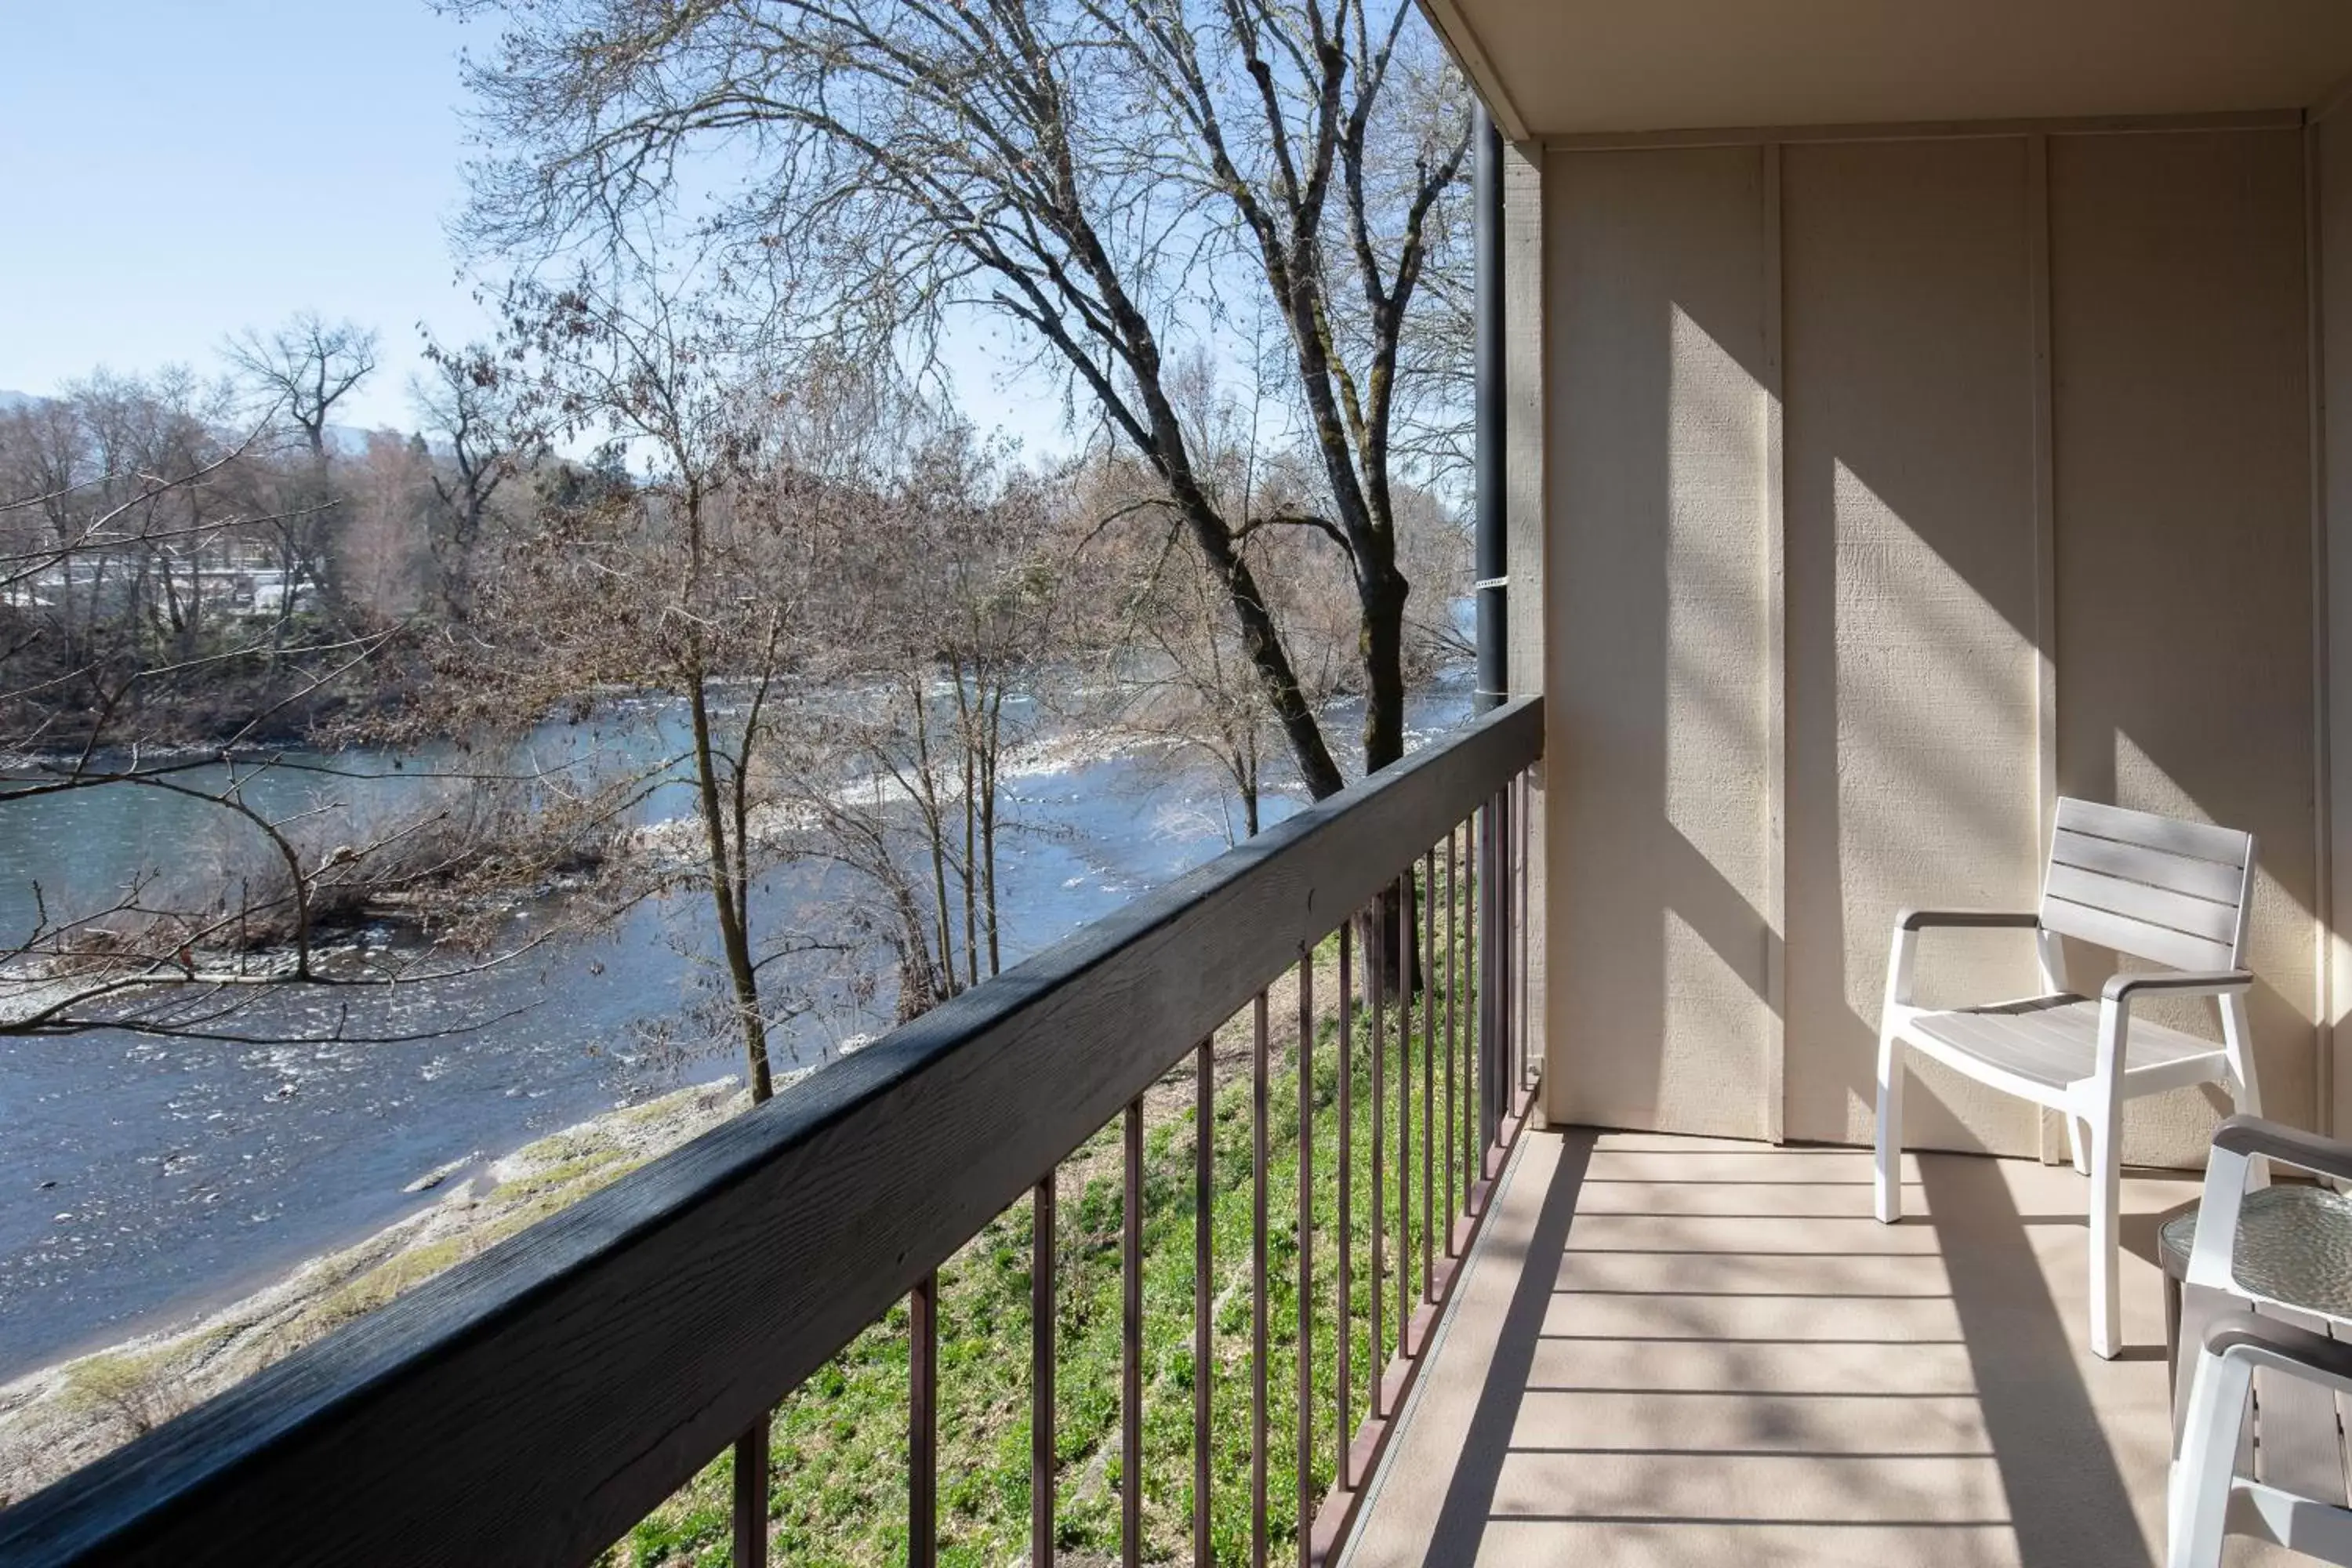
column 838, row 1447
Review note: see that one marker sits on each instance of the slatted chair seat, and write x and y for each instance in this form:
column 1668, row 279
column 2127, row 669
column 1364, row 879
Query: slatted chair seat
column 2049, row 1047
column 2148, row 887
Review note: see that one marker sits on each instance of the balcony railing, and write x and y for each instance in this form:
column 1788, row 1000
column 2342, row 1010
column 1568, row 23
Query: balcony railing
column 533, row 1405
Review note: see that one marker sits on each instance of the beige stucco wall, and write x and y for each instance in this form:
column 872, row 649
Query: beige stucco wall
column 1655, row 684
column 1893, row 486
column 2182, row 336
column 1912, row 734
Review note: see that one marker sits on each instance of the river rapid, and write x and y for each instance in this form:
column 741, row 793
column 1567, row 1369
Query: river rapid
column 142, row 1181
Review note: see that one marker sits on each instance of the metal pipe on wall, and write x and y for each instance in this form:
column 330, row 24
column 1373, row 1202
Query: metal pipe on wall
column 1491, row 556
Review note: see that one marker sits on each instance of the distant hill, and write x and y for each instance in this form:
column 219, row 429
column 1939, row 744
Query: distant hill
column 12, row 401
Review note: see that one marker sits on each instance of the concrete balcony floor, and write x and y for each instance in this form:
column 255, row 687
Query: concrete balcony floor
column 1685, row 1352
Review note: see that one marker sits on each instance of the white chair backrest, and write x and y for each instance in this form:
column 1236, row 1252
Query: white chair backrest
column 2153, row 886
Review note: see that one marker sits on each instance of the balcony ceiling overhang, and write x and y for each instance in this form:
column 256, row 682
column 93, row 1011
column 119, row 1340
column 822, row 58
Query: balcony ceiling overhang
column 1568, row 68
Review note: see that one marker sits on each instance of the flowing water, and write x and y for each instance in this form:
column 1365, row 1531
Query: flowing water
column 144, row 1180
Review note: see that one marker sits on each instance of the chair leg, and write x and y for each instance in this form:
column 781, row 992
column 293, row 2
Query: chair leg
column 1886, row 1180
column 2078, row 1144
column 2197, row 1503
column 2107, row 1199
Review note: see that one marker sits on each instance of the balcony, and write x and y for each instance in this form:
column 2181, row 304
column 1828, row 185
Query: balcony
column 1560, row 1345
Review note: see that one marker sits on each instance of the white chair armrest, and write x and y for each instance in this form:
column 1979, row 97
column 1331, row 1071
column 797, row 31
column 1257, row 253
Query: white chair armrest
column 2282, row 1347
column 2122, row 988
column 2116, row 997
column 1910, row 922
column 1922, row 919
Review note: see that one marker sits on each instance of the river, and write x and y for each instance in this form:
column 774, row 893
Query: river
column 144, row 1181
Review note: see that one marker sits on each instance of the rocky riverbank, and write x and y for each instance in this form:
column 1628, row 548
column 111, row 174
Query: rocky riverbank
column 57, row 1419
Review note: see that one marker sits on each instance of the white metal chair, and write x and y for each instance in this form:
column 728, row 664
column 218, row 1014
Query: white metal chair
column 2259, row 1449
column 2170, row 892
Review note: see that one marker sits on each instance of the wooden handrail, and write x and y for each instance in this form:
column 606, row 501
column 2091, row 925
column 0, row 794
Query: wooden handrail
column 531, row 1406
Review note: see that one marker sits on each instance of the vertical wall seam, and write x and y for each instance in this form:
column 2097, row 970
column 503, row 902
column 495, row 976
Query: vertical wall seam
column 1776, row 662
column 2323, row 764
column 2050, row 1132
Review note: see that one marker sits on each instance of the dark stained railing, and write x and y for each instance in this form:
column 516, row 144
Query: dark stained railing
column 532, row 1405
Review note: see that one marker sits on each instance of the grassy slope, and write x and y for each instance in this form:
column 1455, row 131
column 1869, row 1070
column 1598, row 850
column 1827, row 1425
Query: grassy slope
column 839, row 1443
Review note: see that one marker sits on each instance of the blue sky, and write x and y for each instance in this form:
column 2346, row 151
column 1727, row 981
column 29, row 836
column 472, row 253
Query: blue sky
column 177, row 170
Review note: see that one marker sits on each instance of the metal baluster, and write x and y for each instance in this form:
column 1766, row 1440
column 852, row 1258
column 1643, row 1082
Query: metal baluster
column 1505, row 1071
column 1258, row 1097
column 751, row 1497
column 1519, row 964
column 1428, row 1071
column 1498, row 941
column 1517, row 945
column 1040, row 1376
column 1306, row 1250
column 1130, row 1346
column 1346, row 1161
column 1471, row 979
column 1488, row 1120
column 1453, row 892
column 1376, row 960
column 922, row 1423
column 1204, row 1362
column 1510, row 945
column 1404, row 1109
column 1520, row 944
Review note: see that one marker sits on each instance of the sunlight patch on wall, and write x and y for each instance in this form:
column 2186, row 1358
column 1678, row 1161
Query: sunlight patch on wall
column 2143, row 784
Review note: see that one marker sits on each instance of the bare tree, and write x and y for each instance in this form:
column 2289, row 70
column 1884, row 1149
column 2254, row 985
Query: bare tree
column 936, row 573
column 654, row 572
column 389, row 494
column 303, row 369
column 960, row 595
column 300, row 371
column 1109, row 175
column 464, row 400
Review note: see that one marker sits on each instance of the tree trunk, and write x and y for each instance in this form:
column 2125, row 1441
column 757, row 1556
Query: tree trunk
column 734, row 940
column 1317, row 768
column 988, row 762
column 971, row 888
column 934, row 832
column 1384, row 596
column 1391, row 931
